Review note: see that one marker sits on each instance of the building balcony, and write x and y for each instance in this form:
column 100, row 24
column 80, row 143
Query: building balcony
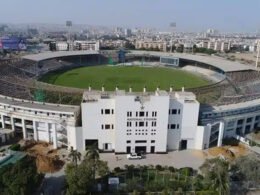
column 18, row 124
column 29, row 126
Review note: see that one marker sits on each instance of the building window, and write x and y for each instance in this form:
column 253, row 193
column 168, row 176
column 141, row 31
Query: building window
column 146, row 114
column 107, row 111
column 146, row 123
column 128, row 141
column 112, row 111
column 178, row 126
column 141, row 124
column 141, row 114
column 107, row 126
column 102, row 111
column 102, row 126
column 173, row 126
column 174, row 111
column 240, row 122
column 153, row 123
column 152, row 141
column 249, row 120
column 179, row 111
column 154, row 114
column 129, row 114
column 136, row 114
column 129, row 124
column 140, row 141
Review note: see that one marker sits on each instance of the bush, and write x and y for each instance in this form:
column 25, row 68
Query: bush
column 186, row 171
column 205, row 193
column 20, row 178
column 15, row 147
column 159, row 167
column 117, row 169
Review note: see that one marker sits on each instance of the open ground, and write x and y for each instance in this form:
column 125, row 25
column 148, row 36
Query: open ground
column 125, row 76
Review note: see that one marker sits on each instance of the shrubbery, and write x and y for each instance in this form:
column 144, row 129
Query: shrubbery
column 20, row 178
column 15, row 147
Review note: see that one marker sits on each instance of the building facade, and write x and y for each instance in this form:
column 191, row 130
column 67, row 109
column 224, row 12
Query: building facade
column 55, row 124
column 160, row 45
column 126, row 122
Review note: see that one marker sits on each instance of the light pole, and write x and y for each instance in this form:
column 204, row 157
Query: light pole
column 172, row 26
column 69, row 25
column 258, row 51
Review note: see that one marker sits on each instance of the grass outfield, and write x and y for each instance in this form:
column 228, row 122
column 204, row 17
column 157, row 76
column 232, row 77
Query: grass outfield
column 125, row 76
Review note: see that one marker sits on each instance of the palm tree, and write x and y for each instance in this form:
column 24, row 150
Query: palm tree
column 75, row 156
column 92, row 154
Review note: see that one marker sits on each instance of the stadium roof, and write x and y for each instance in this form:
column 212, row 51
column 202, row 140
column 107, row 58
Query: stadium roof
column 218, row 62
column 57, row 54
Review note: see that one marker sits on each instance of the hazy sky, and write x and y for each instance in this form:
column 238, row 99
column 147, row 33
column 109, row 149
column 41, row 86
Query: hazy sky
column 191, row 15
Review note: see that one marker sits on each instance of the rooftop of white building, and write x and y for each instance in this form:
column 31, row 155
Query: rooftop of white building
column 38, row 105
column 93, row 95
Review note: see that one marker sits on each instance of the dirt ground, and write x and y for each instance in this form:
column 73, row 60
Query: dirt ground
column 229, row 152
column 47, row 159
column 245, row 58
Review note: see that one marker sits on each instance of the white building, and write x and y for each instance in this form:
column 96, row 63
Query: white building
column 87, row 45
column 126, row 122
column 160, row 45
column 62, row 46
column 51, row 123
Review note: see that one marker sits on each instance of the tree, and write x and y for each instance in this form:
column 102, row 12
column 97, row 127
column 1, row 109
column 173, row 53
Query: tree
column 92, row 155
column 102, row 168
column 215, row 172
column 246, row 168
column 79, row 178
column 75, row 156
column 20, row 178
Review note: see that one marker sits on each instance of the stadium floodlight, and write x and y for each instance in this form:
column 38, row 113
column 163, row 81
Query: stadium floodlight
column 172, row 26
column 69, row 25
column 258, row 51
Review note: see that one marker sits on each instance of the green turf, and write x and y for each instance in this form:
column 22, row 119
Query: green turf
column 125, row 76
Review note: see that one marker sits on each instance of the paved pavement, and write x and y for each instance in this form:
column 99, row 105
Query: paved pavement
column 177, row 159
column 54, row 183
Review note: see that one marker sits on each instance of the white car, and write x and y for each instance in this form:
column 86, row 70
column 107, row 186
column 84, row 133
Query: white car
column 133, row 156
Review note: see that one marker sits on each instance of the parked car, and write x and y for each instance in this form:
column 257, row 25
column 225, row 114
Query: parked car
column 133, row 156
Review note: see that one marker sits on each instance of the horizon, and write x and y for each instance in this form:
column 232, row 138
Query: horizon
column 232, row 16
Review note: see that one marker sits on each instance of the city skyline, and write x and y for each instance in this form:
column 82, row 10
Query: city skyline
column 231, row 16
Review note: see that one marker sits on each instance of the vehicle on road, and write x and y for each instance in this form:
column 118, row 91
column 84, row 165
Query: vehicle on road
column 133, row 156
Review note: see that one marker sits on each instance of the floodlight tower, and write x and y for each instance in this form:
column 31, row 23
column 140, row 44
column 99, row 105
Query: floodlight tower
column 172, row 26
column 69, row 25
column 258, row 51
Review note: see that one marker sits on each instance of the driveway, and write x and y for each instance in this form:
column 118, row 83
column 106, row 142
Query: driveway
column 177, row 159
